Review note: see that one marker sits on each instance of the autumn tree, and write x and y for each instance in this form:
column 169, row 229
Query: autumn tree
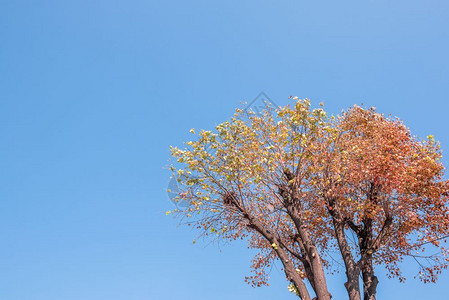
column 298, row 185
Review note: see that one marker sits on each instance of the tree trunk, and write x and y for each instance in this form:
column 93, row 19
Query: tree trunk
column 370, row 281
column 319, row 277
column 293, row 276
column 292, row 203
column 289, row 268
column 352, row 269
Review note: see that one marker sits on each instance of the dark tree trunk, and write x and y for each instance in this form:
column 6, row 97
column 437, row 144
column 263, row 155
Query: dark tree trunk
column 289, row 268
column 292, row 203
column 319, row 277
column 370, row 280
column 352, row 269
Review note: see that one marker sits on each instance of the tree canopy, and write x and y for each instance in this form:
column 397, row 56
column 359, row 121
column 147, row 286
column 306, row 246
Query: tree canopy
column 299, row 185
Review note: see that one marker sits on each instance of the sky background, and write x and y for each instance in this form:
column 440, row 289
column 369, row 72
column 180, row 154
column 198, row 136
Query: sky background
column 92, row 93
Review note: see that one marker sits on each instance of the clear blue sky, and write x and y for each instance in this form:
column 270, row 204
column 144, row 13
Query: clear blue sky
column 92, row 93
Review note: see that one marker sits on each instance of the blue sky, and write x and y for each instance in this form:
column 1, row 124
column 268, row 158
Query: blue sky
column 92, row 93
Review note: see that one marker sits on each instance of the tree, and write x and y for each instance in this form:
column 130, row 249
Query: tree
column 299, row 185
